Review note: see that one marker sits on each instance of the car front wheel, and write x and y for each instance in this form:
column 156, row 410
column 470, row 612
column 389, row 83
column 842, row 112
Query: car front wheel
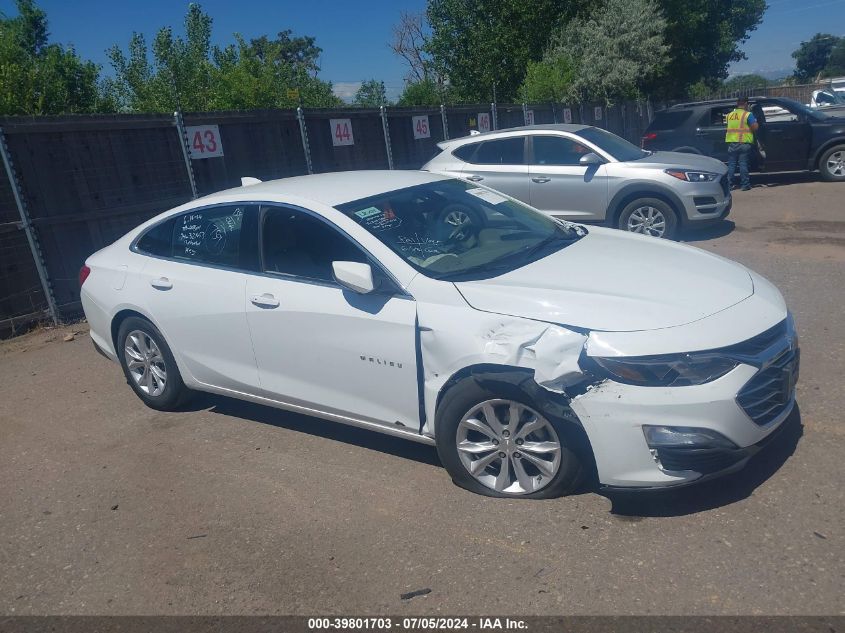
column 149, row 366
column 501, row 446
column 832, row 164
column 649, row 216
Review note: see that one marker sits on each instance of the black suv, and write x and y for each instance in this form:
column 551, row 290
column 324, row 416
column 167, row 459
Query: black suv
column 794, row 137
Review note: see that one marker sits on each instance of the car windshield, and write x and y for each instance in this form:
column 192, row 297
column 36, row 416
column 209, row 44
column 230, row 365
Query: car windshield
column 453, row 230
column 617, row 147
column 795, row 107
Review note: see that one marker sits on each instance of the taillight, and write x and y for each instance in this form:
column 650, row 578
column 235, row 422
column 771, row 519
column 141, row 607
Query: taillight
column 83, row 275
column 646, row 138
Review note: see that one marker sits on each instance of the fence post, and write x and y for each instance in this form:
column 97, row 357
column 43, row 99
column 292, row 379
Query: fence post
column 445, row 122
column 386, row 128
column 495, row 117
column 524, row 114
column 26, row 223
column 183, row 137
column 303, row 133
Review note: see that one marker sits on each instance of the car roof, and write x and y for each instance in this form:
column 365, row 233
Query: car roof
column 715, row 102
column 546, row 127
column 332, row 189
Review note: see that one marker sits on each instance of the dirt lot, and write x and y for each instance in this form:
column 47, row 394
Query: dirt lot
column 111, row 508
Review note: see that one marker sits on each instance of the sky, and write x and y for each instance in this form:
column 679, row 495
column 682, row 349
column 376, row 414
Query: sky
column 354, row 36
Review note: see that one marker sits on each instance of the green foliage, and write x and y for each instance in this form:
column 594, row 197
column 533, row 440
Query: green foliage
column 37, row 77
column 812, row 56
column 744, row 83
column 423, row 93
column 191, row 74
column 836, row 62
column 612, row 53
column 371, row 94
column 479, row 43
column 549, row 80
column 704, row 38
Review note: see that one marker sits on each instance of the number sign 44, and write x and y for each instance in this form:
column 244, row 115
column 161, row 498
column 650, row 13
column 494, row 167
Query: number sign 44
column 341, row 132
column 204, row 141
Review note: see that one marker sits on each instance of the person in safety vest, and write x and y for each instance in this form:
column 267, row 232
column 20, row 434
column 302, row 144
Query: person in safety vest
column 740, row 139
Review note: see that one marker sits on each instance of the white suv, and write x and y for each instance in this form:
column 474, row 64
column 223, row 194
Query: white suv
column 515, row 345
column 584, row 173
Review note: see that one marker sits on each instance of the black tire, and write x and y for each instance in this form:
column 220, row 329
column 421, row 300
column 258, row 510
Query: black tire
column 174, row 392
column 470, row 392
column 642, row 207
column 832, row 164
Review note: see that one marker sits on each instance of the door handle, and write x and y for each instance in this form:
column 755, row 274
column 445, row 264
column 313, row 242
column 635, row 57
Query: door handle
column 541, row 179
column 475, row 178
column 265, row 301
column 162, row 283
column 770, row 131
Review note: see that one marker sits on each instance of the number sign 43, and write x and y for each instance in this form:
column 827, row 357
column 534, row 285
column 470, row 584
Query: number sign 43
column 204, row 141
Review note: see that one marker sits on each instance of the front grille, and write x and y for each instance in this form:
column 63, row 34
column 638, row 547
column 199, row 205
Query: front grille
column 725, row 187
column 769, row 392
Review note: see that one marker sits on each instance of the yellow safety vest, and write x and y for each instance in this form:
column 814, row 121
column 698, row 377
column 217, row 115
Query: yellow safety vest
column 738, row 129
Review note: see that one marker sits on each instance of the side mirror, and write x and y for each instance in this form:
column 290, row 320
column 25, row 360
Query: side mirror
column 590, row 159
column 354, row 276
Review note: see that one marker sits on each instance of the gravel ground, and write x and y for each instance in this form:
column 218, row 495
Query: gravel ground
column 230, row 508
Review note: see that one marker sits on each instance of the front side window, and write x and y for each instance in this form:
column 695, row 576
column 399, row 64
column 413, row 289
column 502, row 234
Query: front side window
column 609, row 143
column 556, row 150
column 210, row 235
column 450, row 229
column 298, row 244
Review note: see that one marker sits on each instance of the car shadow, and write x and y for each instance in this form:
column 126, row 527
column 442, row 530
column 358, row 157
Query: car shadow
column 712, row 232
column 301, row 423
column 715, row 493
column 781, row 178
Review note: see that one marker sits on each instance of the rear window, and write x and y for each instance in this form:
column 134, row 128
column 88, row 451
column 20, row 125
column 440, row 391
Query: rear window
column 465, row 152
column 669, row 120
column 506, row 151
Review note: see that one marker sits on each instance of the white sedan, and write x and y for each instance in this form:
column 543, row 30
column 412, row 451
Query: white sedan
column 529, row 351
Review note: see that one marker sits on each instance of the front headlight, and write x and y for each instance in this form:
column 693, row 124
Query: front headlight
column 692, row 176
column 681, row 370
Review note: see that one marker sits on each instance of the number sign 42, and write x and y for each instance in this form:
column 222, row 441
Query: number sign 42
column 204, row 141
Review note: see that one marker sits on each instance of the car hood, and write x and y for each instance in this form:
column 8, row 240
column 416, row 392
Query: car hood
column 680, row 160
column 615, row 281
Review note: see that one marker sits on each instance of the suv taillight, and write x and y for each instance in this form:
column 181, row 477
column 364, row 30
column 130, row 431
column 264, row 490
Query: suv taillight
column 83, row 275
column 646, row 138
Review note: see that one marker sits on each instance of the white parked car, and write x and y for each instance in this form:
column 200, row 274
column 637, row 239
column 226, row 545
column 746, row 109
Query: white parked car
column 526, row 348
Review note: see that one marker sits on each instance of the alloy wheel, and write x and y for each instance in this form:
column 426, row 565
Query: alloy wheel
column 461, row 221
column 508, row 447
column 145, row 363
column 836, row 164
column 647, row 220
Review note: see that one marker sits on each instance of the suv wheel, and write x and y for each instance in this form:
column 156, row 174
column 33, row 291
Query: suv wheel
column 149, row 366
column 832, row 164
column 649, row 216
column 503, row 447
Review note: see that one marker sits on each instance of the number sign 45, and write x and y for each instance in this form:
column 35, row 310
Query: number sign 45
column 204, row 141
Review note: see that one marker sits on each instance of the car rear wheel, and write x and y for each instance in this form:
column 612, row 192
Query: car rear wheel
column 502, row 446
column 149, row 366
column 649, row 216
column 832, row 164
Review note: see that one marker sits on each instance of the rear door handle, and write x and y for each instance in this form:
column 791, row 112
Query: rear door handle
column 265, row 301
column 162, row 283
column 541, row 179
column 475, row 178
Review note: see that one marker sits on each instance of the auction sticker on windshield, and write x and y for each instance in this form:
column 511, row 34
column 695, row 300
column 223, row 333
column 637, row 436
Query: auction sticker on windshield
column 487, row 196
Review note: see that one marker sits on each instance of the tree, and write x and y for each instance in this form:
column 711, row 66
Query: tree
column 409, row 42
column 812, row 56
column 550, row 80
column 190, row 74
column 836, row 62
column 484, row 46
column 371, row 94
column 741, row 83
column 37, row 77
column 612, row 53
column 704, row 38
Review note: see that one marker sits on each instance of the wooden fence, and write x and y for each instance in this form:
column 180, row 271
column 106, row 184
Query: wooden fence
column 73, row 184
